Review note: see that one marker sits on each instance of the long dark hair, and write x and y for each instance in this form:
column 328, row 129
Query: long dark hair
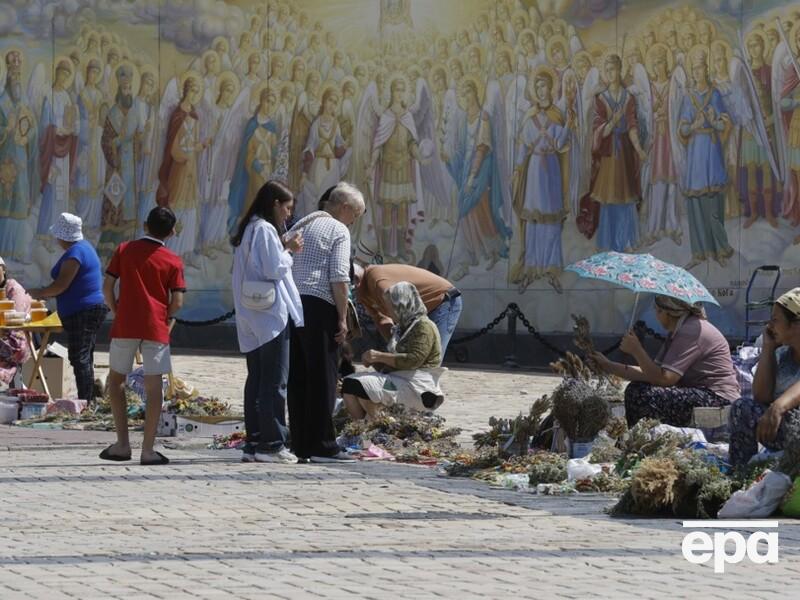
column 270, row 194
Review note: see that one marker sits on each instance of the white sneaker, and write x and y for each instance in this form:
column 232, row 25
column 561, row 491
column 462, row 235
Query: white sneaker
column 339, row 457
column 284, row 455
column 248, row 458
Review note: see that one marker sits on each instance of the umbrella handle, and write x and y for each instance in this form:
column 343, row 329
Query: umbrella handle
column 633, row 314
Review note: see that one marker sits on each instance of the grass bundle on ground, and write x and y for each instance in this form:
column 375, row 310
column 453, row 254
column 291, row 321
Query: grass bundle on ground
column 512, row 435
column 580, row 409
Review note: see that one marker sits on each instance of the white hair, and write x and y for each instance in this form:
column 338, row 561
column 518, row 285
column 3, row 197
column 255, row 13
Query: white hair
column 346, row 194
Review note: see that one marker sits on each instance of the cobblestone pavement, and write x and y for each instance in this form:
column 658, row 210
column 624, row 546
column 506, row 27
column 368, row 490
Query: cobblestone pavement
column 207, row 526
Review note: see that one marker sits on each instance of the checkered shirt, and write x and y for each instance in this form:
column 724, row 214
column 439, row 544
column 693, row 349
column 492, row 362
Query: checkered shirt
column 325, row 258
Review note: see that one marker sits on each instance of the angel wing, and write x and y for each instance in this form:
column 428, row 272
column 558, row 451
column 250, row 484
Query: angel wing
column 644, row 109
column 494, row 106
column 575, row 43
column 516, row 105
column 369, row 113
column 583, row 145
column 745, row 109
column 38, row 90
column 437, row 185
column 169, row 100
column 781, row 68
column 226, row 148
column 677, row 93
column 451, row 123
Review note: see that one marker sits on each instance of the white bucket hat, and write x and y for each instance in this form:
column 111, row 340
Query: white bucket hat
column 67, row 228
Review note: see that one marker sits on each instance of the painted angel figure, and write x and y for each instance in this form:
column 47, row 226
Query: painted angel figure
column 20, row 185
column 656, row 86
column 305, row 110
column 145, row 106
column 786, row 103
column 178, row 175
column 703, row 124
column 478, row 165
column 446, row 112
column 91, row 168
column 540, row 184
column 59, row 146
column 260, row 145
column 213, row 190
column 326, row 155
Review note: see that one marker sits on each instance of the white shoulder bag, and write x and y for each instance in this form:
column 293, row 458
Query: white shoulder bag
column 256, row 294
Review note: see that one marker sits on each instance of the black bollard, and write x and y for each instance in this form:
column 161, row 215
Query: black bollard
column 511, row 358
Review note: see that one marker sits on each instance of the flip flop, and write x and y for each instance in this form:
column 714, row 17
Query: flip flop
column 161, row 460
column 106, row 455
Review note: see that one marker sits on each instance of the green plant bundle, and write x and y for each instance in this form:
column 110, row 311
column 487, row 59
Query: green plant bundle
column 580, row 410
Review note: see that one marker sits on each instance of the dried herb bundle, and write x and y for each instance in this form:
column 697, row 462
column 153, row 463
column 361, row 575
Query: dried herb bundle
column 546, row 467
column 580, row 409
column 513, row 435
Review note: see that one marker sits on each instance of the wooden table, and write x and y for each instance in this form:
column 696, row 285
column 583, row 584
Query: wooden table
column 47, row 326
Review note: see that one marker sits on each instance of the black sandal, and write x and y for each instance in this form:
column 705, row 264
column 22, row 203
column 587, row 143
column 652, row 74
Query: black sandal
column 161, row 460
column 106, row 455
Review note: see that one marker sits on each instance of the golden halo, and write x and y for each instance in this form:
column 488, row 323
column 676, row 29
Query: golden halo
column 663, row 30
column 220, row 38
column 698, row 51
column 544, row 71
column 715, row 45
column 651, row 54
column 793, row 38
column 582, row 54
column 208, row 53
column 250, row 56
column 755, row 34
column 351, row 80
column 135, row 78
column 115, row 48
column 506, row 50
column 521, row 13
column 255, row 94
column 528, row 33
column 227, row 76
column 556, row 40
column 105, row 37
column 477, row 47
column 329, row 89
column 477, row 83
column 707, row 23
column 190, row 74
column 66, row 62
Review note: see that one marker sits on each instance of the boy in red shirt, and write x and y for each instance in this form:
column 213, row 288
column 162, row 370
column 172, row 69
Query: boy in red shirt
column 151, row 289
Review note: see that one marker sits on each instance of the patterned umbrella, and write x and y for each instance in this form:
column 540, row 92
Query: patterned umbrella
column 643, row 273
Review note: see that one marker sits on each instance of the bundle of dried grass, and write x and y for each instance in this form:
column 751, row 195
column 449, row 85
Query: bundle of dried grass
column 652, row 485
column 580, row 410
column 513, row 435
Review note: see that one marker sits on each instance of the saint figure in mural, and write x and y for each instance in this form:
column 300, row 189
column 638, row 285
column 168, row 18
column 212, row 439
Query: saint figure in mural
column 325, row 156
column 214, row 192
column 145, row 106
column 258, row 154
column 786, row 103
column 482, row 232
column 540, row 184
column 305, row 110
column 178, row 178
column 59, row 146
column 91, row 169
column 19, row 162
column 703, row 126
column 121, row 143
column 616, row 153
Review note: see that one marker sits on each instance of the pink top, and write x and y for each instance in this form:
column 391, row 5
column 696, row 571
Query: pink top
column 699, row 353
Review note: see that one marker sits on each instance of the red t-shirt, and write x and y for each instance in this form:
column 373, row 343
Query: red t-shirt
column 148, row 272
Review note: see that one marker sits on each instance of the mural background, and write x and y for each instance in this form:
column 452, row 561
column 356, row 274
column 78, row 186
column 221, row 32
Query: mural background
column 480, row 131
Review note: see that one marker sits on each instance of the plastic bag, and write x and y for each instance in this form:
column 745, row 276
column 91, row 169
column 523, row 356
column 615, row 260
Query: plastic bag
column 580, row 468
column 694, row 435
column 791, row 506
column 759, row 500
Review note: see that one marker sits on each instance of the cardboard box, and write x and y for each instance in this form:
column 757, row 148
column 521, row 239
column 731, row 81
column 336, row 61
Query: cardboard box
column 207, row 426
column 58, row 373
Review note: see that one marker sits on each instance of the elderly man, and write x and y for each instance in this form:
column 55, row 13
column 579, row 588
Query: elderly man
column 322, row 275
column 442, row 299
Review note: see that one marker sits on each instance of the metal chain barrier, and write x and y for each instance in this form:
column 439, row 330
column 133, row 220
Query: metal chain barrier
column 214, row 321
column 484, row 330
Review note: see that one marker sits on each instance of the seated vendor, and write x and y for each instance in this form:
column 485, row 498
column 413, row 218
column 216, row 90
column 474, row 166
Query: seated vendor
column 409, row 372
column 693, row 367
column 776, row 386
column 14, row 351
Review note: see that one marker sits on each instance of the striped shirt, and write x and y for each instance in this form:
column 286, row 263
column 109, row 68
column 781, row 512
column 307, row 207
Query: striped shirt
column 325, row 258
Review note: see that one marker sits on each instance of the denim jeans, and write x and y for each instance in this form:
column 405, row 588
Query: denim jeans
column 445, row 317
column 265, row 395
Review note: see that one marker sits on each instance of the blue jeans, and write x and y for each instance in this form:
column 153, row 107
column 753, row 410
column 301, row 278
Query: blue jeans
column 265, row 395
column 445, row 317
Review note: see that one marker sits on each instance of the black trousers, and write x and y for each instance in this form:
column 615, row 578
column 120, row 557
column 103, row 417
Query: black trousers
column 81, row 329
column 313, row 371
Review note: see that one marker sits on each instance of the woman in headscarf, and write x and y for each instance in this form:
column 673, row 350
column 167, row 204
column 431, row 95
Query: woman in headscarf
column 409, row 372
column 693, row 368
column 776, row 386
column 14, row 349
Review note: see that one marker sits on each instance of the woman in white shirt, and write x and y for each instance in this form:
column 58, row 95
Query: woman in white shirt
column 260, row 254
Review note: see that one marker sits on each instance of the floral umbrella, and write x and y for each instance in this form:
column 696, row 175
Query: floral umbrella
column 643, row 273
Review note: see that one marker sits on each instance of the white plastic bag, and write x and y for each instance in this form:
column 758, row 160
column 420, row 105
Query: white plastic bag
column 580, row 468
column 694, row 435
column 759, row 500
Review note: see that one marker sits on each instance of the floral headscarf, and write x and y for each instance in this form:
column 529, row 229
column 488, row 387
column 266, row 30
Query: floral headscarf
column 408, row 310
column 791, row 301
column 678, row 308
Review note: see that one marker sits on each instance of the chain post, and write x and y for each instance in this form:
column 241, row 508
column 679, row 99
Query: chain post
column 511, row 359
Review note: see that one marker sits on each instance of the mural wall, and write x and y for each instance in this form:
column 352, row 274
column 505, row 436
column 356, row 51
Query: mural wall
column 496, row 141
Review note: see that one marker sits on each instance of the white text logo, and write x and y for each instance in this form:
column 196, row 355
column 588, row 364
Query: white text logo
column 699, row 547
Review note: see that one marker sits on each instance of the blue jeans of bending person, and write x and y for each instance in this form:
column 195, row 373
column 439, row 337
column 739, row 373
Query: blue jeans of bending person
column 265, row 395
column 445, row 317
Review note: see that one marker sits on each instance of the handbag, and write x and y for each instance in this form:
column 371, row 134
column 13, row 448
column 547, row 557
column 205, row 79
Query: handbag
column 256, row 294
